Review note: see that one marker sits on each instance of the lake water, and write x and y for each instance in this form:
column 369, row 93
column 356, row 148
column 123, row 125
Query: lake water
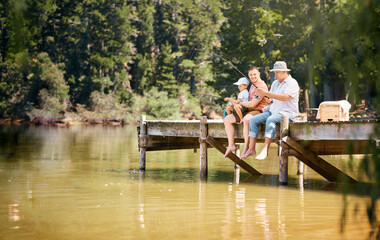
column 83, row 182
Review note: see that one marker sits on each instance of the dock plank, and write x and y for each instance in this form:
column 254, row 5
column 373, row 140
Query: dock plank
column 298, row 131
column 332, row 130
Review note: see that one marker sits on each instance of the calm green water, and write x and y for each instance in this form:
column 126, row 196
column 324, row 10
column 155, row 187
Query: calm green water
column 83, row 182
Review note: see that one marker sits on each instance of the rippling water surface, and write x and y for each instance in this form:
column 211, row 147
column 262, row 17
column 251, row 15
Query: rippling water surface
column 83, row 182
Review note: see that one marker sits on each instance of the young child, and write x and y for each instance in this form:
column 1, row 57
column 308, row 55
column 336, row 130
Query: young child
column 243, row 96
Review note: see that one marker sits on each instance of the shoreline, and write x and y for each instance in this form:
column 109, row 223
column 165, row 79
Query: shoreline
column 65, row 123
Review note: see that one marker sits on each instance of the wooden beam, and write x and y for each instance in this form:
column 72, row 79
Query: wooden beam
column 331, row 147
column 156, row 143
column 332, row 130
column 297, row 130
column 191, row 129
column 174, row 128
column 323, row 147
column 217, row 130
column 232, row 156
column 318, row 164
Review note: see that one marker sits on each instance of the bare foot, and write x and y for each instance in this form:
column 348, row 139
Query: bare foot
column 244, row 151
column 229, row 149
column 247, row 154
column 263, row 154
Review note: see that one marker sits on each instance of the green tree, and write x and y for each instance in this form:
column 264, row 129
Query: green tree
column 145, row 43
column 165, row 78
column 15, row 45
column 3, row 29
column 48, row 93
column 349, row 50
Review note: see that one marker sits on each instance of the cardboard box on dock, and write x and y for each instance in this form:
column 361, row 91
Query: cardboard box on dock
column 331, row 111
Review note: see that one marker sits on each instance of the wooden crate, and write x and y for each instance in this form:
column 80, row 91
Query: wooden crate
column 332, row 112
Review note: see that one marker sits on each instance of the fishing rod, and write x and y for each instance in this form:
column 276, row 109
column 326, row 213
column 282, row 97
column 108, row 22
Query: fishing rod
column 225, row 60
column 205, row 94
column 236, row 69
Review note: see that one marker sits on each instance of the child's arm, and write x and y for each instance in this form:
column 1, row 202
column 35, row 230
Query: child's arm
column 237, row 101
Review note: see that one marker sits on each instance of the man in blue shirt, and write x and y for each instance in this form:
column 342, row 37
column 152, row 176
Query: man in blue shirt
column 284, row 93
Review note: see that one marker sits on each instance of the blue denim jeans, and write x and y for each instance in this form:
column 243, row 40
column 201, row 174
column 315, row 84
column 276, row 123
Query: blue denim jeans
column 270, row 124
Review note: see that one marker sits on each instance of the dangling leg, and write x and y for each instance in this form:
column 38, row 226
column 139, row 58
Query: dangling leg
column 246, row 119
column 270, row 130
column 254, row 123
column 264, row 152
column 230, row 132
column 251, row 150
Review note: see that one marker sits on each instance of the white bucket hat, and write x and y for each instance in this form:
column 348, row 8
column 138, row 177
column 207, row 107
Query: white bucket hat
column 242, row 80
column 280, row 66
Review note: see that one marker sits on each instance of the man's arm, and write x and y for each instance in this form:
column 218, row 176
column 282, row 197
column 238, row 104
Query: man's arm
column 252, row 103
column 278, row 96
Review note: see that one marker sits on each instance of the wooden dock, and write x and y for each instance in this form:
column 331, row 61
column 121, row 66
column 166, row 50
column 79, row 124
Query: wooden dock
column 307, row 141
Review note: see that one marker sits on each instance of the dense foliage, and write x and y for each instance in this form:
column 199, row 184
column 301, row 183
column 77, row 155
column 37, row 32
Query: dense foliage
column 117, row 59
column 57, row 56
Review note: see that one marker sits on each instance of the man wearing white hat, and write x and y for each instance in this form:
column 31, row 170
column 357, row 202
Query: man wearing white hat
column 284, row 93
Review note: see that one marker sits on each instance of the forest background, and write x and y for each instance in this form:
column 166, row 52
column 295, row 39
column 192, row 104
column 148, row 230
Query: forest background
column 114, row 60
column 117, row 59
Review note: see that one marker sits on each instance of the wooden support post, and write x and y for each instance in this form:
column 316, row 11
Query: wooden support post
column 142, row 149
column 284, row 130
column 300, row 167
column 203, row 147
column 237, row 153
column 237, row 176
column 237, row 168
column 318, row 164
column 232, row 156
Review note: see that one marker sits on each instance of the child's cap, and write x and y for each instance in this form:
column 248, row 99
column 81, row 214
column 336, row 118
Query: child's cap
column 242, row 80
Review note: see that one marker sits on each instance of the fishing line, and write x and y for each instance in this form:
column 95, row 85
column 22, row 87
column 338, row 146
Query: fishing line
column 234, row 68
column 237, row 70
column 191, row 57
column 225, row 60
column 205, row 94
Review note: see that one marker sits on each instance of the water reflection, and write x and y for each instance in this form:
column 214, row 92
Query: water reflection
column 237, row 174
column 13, row 212
column 302, row 197
column 262, row 218
column 83, row 183
column 141, row 199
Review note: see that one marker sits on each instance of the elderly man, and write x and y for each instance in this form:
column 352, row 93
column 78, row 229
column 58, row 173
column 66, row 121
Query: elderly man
column 284, row 93
column 255, row 105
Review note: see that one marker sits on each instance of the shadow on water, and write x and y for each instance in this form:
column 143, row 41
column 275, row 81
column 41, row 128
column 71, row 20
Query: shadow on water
column 191, row 175
column 11, row 137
